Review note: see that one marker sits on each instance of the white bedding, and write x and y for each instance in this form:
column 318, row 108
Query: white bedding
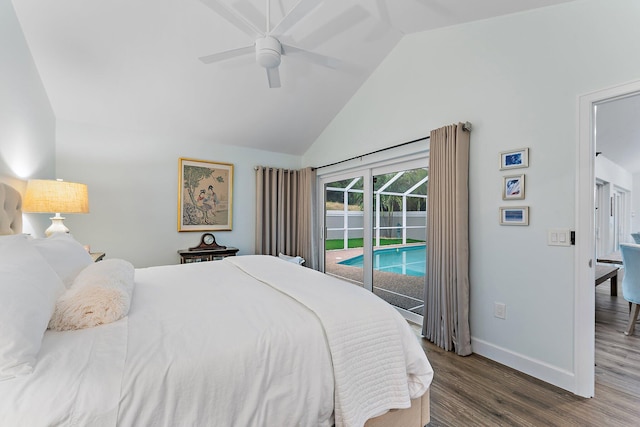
column 207, row 345
column 75, row 382
column 232, row 352
column 370, row 377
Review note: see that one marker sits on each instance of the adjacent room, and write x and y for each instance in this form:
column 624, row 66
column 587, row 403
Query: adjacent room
column 185, row 122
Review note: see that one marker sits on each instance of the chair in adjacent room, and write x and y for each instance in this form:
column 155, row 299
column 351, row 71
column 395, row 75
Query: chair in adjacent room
column 636, row 237
column 631, row 281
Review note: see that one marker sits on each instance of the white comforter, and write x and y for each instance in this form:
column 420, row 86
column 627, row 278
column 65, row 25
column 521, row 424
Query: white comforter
column 377, row 362
column 208, row 345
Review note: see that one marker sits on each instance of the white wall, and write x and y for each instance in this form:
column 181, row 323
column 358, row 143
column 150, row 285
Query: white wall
column 610, row 172
column 517, row 79
column 133, row 190
column 27, row 123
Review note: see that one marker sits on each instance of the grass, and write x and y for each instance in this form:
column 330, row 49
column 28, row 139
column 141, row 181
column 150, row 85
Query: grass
column 359, row 243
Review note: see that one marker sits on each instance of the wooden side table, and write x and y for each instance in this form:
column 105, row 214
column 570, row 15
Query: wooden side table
column 187, row 256
column 606, row 272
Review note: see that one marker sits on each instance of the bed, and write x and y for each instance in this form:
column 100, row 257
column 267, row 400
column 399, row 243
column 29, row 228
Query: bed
column 246, row 341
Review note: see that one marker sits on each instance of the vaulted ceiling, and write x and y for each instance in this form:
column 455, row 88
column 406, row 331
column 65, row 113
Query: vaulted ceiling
column 134, row 64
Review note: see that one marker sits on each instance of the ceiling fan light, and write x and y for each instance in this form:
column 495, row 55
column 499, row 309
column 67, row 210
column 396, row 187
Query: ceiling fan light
column 268, row 52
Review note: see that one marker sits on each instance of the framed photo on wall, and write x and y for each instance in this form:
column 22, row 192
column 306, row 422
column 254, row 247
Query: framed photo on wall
column 205, row 195
column 514, row 159
column 516, row 215
column 513, row 187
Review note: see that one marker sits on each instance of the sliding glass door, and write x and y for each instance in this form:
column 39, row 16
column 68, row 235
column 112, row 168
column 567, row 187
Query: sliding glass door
column 344, row 227
column 400, row 234
column 375, row 232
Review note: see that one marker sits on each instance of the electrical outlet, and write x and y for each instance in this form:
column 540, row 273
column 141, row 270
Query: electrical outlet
column 500, row 310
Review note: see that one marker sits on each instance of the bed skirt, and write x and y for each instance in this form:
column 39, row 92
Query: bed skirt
column 418, row 415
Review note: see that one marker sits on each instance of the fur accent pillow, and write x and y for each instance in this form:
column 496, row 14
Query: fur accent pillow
column 100, row 294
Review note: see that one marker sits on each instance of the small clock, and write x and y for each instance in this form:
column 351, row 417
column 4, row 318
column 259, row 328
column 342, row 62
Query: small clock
column 207, row 238
column 207, row 241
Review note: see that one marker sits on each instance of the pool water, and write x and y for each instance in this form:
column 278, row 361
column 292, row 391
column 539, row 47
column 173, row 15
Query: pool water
column 410, row 260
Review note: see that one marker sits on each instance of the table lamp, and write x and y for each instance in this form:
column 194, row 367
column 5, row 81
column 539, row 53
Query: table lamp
column 55, row 196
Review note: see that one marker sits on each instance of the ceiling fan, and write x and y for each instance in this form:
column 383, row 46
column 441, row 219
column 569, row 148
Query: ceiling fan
column 267, row 48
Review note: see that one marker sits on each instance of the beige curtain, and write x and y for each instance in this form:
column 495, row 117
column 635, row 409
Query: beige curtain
column 285, row 213
column 446, row 319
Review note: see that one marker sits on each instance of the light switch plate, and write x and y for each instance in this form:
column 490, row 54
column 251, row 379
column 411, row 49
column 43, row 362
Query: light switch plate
column 559, row 237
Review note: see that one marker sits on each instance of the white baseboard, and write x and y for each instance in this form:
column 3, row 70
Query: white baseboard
column 536, row 368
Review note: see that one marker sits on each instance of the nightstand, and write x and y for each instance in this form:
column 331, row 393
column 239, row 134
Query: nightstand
column 207, row 250
column 97, row 256
column 187, row 256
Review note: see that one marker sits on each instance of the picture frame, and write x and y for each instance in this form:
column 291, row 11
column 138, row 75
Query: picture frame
column 205, row 195
column 513, row 187
column 514, row 159
column 514, row 215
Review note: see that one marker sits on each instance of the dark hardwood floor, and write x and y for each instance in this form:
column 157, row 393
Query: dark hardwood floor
column 475, row 391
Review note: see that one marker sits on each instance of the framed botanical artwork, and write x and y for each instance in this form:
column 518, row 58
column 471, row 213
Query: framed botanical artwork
column 516, row 215
column 514, row 159
column 513, row 187
column 205, row 195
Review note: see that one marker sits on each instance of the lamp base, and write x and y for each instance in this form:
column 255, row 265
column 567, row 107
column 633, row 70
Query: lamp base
column 56, row 226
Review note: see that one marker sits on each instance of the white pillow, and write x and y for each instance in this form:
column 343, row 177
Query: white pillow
column 29, row 288
column 294, row 259
column 64, row 254
column 100, row 294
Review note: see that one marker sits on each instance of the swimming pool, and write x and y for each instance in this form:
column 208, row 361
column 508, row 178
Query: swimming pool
column 408, row 260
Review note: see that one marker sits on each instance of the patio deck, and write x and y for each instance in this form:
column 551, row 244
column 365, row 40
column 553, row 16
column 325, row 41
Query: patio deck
column 397, row 289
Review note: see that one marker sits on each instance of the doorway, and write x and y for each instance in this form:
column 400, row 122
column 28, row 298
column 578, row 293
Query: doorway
column 374, row 232
column 586, row 237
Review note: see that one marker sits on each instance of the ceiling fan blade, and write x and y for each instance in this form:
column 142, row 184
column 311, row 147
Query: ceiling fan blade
column 341, row 23
column 316, row 58
column 273, row 76
column 241, row 23
column 209, row 59
column 251, row 13
column 299, row 11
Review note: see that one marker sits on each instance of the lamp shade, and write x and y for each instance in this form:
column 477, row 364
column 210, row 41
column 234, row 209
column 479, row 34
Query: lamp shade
column 55, row 197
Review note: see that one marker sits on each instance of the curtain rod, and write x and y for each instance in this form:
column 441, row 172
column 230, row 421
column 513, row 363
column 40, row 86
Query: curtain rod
column 465, row 126
column 255, row 168
column 373, row 152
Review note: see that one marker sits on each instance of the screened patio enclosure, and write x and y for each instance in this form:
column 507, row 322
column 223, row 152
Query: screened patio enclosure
column 398, row 234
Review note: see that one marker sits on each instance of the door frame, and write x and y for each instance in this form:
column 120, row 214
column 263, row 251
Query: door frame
column 584, row 263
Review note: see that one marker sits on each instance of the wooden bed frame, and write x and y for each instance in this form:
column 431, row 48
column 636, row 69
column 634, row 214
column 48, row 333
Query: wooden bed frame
column 418, row 415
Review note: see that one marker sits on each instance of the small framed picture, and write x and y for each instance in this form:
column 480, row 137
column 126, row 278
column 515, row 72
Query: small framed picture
column 517, row 215
column 513, row 187
column 514, row 159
